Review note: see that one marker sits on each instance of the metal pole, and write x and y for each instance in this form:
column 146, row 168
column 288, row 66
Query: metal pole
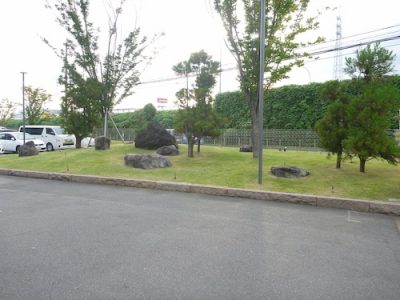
column 220, row 70
column 105, row 122
column 261, row 92
column 23, row 105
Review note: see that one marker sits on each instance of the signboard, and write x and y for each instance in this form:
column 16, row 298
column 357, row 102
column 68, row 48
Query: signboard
column 162, row 100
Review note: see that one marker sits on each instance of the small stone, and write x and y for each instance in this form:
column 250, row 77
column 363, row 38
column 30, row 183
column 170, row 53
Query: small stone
column 289, row 172
column 102, row 143
column 147, row 161
column 246, row 148
column 168, row 150
column 28, row 149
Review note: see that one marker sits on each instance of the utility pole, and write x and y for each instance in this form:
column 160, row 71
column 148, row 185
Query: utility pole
column 23, row 105
column 65, row 69
column 220, row 70
column 261, row 92
column 338, row 67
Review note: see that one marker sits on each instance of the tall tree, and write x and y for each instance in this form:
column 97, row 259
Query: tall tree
column 80, row 109
column 369, row 121
column 285, row 21
column 7, row 110
column 333, row 127
column 117, row 71
column 196, row 117
column 371, row 112
column 36, row 97
column 370, row 63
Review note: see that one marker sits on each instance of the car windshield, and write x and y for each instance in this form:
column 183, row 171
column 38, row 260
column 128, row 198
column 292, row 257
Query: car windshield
column 59, row 130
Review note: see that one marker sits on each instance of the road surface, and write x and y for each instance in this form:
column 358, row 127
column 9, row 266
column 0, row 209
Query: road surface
column 62, row 240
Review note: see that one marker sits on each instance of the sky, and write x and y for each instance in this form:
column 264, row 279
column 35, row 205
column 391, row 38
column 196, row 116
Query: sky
column 188, row 26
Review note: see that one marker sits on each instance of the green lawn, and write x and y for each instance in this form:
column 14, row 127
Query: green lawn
column 227, row 167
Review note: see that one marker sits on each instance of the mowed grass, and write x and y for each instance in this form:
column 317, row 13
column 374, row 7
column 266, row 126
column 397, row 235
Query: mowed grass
column 227, row 167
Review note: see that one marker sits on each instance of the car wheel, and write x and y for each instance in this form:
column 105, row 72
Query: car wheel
column 49, row 147
column 17, row 149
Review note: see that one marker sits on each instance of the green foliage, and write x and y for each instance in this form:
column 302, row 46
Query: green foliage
column 121, row 120
column 138, row 120
column 7, row 110
column 370, row 64
column 294, row 107
column 233, row 108
column 333, row 127
column 80, row 109
column 367, row 116
column 285, row 21
column 149, row 112
column 196, row 117
column 36, row 98
column 117, row 70
column 12, row 123
column 287, row 107
column 50, row 119
column 166, row 118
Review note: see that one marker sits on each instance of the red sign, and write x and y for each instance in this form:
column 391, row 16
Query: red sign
column 162, row 100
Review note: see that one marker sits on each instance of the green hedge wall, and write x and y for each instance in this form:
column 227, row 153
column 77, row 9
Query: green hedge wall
column 287, row 107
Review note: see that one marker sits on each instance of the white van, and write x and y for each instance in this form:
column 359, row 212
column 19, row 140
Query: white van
column 54, row 137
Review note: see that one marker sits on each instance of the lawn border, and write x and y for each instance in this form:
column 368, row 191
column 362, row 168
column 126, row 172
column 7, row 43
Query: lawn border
column 369, row 206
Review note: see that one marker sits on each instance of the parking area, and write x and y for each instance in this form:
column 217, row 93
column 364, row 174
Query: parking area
column 63, row 240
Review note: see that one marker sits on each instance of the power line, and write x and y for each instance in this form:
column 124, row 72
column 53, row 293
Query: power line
column 315, row 53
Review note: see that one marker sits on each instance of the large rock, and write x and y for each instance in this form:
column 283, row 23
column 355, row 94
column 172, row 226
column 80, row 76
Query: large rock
column 102, row 143
column 154, row 137
column 246, row 148
column 146, row 161
column 28, row 149
column 289, row 172
column 168, row 150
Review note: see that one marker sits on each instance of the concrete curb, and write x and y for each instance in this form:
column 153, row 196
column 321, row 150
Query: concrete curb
column 321, row 201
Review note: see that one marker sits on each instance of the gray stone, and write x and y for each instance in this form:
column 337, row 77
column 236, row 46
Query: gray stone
column 289, row 172
column 102, row 143
column 147, row 161
column 246, row 148
column 28, row 149
column 168, row 150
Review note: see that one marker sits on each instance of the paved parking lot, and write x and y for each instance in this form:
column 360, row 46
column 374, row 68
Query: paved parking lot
column 63, row 240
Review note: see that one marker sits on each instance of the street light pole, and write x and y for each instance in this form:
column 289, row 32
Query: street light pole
column 261, row 92
column 23, row 104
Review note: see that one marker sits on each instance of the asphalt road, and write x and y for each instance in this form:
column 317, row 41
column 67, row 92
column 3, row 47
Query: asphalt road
column 63, row 240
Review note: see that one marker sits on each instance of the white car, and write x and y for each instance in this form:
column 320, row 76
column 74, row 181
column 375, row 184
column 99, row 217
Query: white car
column 53, row 136
column 11, row 141
column 88, row 142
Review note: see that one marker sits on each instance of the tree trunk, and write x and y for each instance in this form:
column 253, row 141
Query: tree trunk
column 362, row 165
column 78, row 143
column 339, row 160
column 198, row 146
column 190, row 146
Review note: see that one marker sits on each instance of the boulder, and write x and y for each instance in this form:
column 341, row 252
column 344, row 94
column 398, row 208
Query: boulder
column 168, row 150
column 28, row 149
column 289, row 172
column 102, row 143
column 154, row 137
column 246, row 148
column 146, row 161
